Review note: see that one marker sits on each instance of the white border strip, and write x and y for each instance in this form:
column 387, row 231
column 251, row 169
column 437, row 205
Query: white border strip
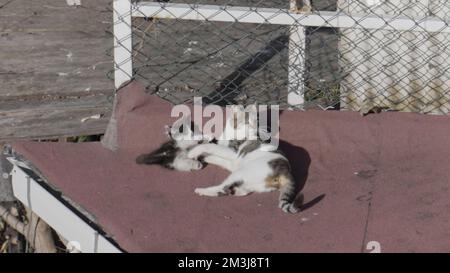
column 285, row 17
column 57, row 215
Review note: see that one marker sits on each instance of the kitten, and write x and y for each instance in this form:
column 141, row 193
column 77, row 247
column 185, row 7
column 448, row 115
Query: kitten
column 173, row 153
column 254, row 165
column 306, row 7
column 308, row 4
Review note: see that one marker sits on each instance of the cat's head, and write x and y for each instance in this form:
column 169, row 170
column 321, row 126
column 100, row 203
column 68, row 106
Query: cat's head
column 186, row 134
column 242, row 123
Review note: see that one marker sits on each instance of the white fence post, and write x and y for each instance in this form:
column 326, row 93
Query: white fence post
column 297, row 47
column 123, row 63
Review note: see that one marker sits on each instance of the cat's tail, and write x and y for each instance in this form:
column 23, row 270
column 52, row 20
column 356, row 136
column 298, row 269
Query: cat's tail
column 148, row 159
column 288, row 193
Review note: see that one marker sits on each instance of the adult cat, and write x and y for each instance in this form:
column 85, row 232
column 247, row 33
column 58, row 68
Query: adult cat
column 254, row 165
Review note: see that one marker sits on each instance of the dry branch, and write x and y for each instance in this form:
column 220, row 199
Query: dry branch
column 36, row 231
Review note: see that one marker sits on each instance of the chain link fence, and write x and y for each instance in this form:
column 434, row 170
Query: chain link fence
column 342, row 55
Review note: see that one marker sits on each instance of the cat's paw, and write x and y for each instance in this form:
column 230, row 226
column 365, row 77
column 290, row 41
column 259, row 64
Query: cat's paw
column 196, row 165
column 200, row 191
column 205, row 192
column 288, row 207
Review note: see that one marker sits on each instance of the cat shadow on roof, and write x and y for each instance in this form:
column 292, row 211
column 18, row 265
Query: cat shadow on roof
column 300, row 161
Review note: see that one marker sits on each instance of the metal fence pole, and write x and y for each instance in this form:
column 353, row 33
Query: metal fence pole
column 123, row 63
column 297, row 47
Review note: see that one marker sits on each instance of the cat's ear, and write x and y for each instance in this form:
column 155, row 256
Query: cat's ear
column 252, row 110
column 240, row 113
column 167, row 129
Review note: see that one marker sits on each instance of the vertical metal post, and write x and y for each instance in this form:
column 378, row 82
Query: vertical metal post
column 123, row 63
column 297, row 47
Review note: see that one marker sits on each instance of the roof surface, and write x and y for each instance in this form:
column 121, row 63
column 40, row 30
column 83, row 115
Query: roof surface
column 382, row 178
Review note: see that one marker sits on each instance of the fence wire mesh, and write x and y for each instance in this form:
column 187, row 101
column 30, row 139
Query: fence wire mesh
column 349, row 68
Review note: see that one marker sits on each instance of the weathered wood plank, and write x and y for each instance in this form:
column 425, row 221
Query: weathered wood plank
column 34, row 118
column 56, row 15
column 54, row 61
column 53, row 68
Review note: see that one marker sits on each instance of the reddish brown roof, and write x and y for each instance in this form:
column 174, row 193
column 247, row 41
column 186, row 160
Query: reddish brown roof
column 378, row 178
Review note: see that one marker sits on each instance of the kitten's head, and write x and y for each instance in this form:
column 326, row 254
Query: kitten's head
column 242, row 122
column 185, row 134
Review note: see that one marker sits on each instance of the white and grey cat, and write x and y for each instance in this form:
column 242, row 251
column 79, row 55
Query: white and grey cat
column 173, row 153
column 254, row 165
